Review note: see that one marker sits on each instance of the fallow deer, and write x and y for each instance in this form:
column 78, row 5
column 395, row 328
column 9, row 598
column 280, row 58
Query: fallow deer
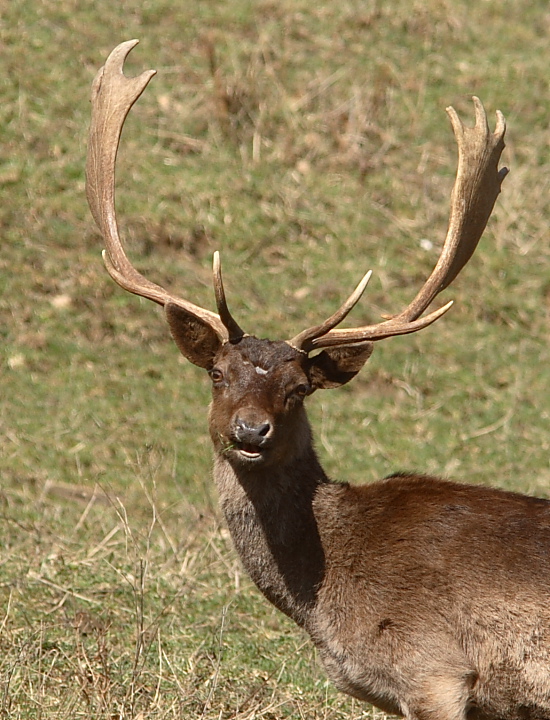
column 427, row 598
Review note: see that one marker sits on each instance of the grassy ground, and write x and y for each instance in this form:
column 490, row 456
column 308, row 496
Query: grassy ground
column 308, row 142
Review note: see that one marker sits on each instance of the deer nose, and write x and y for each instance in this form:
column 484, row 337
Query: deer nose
column 252, row 433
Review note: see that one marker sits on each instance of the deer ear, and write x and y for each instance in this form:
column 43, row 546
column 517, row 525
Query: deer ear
column 338, row 365
column 195, row 338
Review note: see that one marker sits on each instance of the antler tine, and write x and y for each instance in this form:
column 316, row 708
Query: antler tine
column 235, row 332
column 113, row 95
column 303, row 340
column 477, row 186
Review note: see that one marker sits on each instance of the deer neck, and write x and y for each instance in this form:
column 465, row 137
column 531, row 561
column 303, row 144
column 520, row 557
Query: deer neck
column 270, row 516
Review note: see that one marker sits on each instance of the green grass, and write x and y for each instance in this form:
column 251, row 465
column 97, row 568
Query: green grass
column 308, row 143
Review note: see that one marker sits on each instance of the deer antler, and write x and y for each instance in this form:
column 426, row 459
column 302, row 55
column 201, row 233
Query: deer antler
column 475, row 191
column 113, row 94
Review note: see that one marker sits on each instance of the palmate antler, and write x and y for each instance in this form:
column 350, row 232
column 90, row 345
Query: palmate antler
column 113, row 94
column 474, row 194
column 475, row 191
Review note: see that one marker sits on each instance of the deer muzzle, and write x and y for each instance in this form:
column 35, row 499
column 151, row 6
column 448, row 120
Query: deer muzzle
column 251, row 436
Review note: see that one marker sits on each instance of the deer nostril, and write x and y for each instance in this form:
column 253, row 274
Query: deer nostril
column 247, row 432
column 264, row 429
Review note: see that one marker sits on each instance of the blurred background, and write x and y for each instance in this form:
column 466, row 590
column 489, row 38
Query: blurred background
column 308, row 142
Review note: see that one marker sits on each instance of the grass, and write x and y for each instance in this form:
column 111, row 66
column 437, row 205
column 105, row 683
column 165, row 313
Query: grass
column 308, row 142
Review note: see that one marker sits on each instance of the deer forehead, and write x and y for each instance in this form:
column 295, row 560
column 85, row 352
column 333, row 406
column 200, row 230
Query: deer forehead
column 262, row 369
column 261, row 373
column 264, row 357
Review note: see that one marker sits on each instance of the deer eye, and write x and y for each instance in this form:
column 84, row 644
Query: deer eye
column 217, row 376
column 301, row 390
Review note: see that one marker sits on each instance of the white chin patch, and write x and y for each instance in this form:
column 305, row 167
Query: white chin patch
column 260, row 370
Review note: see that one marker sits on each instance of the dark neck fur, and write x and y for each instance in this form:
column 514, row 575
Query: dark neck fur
column 270, row 511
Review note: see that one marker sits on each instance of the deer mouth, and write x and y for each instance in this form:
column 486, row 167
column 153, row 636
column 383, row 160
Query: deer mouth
column 244, row 452
column 249, row 453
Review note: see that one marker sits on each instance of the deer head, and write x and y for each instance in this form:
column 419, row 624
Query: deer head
column 259, row 385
